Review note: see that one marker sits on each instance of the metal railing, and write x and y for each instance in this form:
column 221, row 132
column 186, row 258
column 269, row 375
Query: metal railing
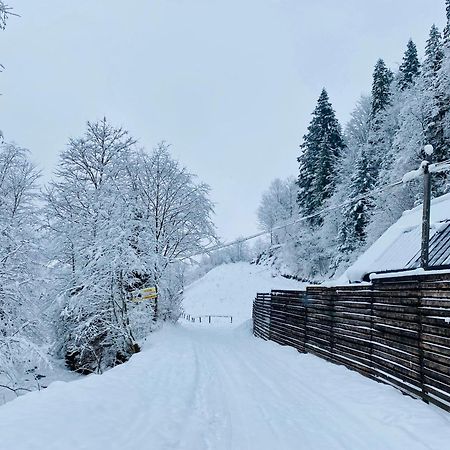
column 206, row 318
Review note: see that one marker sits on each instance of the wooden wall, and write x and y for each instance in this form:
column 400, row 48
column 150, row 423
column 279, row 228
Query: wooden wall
column 396, row 330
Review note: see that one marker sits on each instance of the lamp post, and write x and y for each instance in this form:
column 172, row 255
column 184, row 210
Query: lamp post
column 425, row 248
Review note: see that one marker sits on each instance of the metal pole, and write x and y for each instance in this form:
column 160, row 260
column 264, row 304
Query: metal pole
column 424, row 257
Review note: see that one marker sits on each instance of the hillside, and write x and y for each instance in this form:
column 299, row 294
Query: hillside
column 229, row 289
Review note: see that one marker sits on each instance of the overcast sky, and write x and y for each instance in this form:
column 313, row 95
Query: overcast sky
column 230, row 84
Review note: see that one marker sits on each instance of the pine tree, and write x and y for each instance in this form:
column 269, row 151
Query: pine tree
column 440, row 124
column 438, row 83
column 447, row 26
column 431, row 89
column 381, row 86
column 352, row 232
column 374, row 156
column 433, row 53
column 409, row 69
column 321, row 148
column 379, row 137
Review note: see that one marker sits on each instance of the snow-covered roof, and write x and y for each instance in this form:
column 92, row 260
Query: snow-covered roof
column 399, row 247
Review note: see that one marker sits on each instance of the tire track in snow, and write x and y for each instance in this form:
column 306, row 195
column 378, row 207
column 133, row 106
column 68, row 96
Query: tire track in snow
column 332, row 408
column 197, row 389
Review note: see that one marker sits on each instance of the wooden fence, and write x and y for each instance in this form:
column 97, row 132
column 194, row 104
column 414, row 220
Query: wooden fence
column 395, row 330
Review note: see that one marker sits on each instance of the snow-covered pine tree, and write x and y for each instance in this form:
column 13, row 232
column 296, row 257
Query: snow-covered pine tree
column 355, row 178
column 381, row 89
column 410, row 67
column 372, row 157
column 352, row 234
column 431, row 93
column 379, row 136
column 322, row 147
column 440, row 123
column 433, row 53
column 447, row 26
column 408, row 124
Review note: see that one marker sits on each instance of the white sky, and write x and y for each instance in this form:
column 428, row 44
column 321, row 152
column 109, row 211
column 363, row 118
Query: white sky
column 229, row 83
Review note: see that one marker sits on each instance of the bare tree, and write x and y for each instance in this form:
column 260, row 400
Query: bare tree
column 177, row 213
column 20, row 265
column 119, row 219
column 87, row 219
column 278, row 206
column 5, row 12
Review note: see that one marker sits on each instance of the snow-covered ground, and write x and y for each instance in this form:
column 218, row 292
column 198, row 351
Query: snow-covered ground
column 196, row 387
column 230, row 290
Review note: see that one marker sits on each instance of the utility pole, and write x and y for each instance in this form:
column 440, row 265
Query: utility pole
column 424, row 256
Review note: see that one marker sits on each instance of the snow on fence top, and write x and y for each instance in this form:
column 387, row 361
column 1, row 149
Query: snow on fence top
column 399, row 247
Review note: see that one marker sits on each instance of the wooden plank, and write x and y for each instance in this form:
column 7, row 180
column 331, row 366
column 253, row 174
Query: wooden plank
column 391, row 329
column 412, row 363
column 437, row 367
column 396, row 342
column 432, row 374
column 433, row 392
column 436, row 350
column 382, row 366
column 436, row 330
column 352, row 354
column 430, row 381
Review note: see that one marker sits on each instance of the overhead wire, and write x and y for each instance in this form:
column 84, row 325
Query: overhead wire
column 308, row 217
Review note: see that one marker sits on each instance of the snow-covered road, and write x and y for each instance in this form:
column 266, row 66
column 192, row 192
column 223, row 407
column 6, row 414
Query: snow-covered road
column 198, row 387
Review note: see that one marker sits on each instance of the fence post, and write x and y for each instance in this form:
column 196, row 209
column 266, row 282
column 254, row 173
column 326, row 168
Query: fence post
column 270, row 317
column 371, row 328
column 305, row 333
column 424, row 256
column 333, row 294
column 420, row 342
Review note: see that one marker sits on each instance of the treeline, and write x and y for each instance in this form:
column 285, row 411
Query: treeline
column 384, row 139
column 114, row 219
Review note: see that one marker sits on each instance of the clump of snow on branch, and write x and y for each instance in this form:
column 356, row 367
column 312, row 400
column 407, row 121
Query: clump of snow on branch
column 120, row 219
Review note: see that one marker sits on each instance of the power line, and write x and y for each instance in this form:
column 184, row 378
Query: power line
column 310, row 216
column 292, row 222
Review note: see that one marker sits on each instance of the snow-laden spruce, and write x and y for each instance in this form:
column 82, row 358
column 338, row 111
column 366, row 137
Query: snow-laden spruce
column 384, row 140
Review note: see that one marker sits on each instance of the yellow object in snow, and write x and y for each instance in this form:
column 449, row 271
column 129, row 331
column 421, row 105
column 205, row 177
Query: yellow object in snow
column 141, row 295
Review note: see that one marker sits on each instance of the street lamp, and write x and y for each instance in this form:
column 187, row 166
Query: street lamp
column 425, row 249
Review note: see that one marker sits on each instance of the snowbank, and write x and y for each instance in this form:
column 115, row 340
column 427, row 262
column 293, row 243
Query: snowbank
column 200, row 388
column 230, row 290
column 196, row 388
